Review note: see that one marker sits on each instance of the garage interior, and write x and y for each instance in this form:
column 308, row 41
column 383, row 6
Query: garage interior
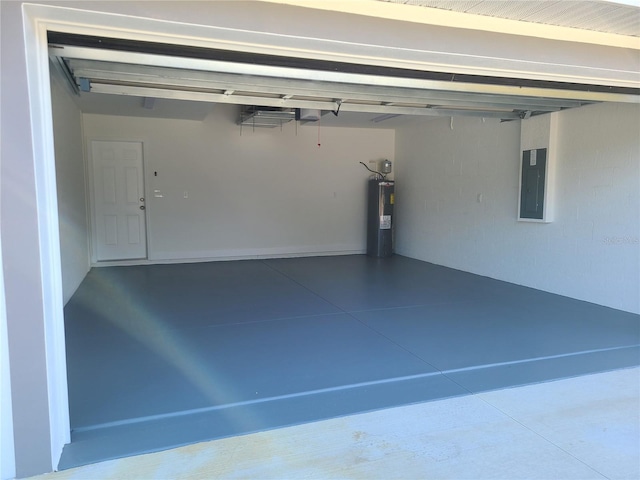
column 297, row 324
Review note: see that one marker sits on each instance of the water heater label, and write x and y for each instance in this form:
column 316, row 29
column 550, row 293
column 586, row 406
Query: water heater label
column 385, row 222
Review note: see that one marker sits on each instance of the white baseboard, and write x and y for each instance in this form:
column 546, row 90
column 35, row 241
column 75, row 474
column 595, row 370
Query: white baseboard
column 237, row 254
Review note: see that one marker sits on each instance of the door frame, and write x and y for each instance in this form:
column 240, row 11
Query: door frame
column 93, row 246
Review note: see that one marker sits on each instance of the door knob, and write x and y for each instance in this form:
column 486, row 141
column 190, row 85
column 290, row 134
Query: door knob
column 142, row 199
column 141, row 207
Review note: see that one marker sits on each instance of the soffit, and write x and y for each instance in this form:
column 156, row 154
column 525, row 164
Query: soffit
column 614, row 17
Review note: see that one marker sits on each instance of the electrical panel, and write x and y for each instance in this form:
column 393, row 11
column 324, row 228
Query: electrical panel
column 533, row 183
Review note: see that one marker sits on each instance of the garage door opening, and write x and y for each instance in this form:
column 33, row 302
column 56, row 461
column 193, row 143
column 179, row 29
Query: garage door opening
column 513, row 114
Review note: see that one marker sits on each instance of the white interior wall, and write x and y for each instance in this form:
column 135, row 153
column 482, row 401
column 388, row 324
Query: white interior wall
column 70, row 182
column 262, row 192
column 458, row 197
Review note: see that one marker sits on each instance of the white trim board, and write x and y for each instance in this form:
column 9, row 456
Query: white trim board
column 38, row 79
column 227, row 255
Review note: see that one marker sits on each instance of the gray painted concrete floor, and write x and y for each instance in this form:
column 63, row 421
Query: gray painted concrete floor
column 161, row 356
column 586, row 427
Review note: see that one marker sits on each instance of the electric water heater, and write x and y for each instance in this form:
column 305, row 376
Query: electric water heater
column 379, row 218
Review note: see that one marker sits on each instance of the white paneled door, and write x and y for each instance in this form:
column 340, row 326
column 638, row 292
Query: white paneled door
column 119, row 203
